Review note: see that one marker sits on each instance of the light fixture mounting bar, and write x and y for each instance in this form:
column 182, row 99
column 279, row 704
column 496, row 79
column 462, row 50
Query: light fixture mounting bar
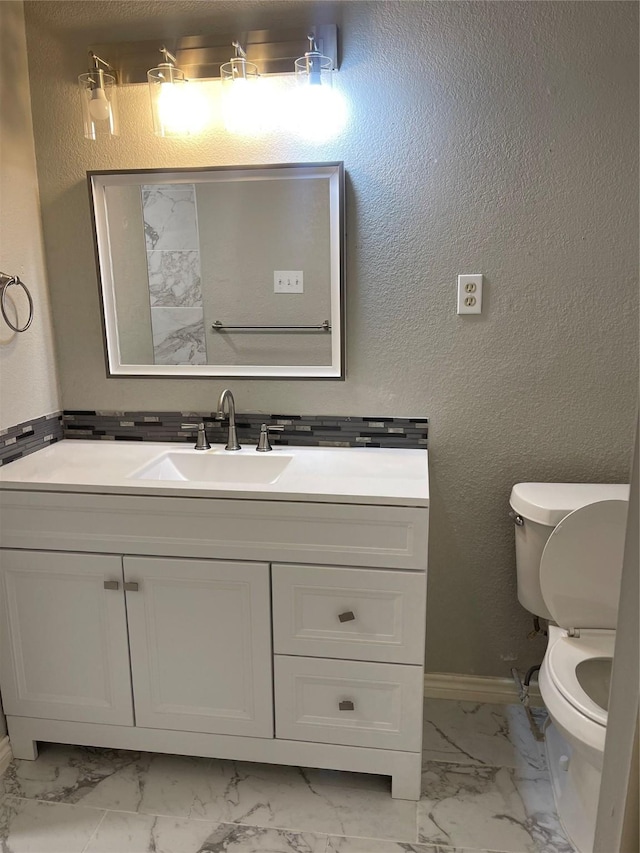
column 200, row 57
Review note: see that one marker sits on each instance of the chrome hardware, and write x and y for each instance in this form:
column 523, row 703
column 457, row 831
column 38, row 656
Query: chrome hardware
column 346, row 705
column 111, row 585
column 219, row 326
column 131, row 586
column 7, row 281
column 518, row 520
column 348, row 616
column 202, row 442
column 264, row 446
column 232, row 437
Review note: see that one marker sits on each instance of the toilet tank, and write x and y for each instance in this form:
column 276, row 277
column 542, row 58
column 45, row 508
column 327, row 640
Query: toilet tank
column 542, row 506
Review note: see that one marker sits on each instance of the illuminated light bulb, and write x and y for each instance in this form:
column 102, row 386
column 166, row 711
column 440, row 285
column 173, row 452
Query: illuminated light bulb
column 99, row 106
column 316, row 112
column 181, row 109
column 246, row 109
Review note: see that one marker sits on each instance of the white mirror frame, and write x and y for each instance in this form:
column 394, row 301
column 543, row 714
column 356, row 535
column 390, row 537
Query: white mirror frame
column 98, row 181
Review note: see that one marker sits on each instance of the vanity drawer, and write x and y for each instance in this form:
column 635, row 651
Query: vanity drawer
column 349, row 702
column 358, row 614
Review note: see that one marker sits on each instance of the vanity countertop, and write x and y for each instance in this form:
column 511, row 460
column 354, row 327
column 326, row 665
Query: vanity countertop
column 383, row 476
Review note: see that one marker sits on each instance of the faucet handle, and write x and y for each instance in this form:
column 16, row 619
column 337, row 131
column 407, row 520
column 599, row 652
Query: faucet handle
column 202, row 442
column 264, row 444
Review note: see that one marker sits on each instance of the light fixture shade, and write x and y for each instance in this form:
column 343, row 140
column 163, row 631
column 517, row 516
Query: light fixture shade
column 98, row 92
column 165, row 89
column 244, row 108
column 176, row 104
column 317, row 110
column 314, row 69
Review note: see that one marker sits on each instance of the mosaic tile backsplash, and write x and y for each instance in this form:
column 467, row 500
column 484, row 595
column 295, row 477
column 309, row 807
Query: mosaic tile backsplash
column 300, row 430
column 29, row 436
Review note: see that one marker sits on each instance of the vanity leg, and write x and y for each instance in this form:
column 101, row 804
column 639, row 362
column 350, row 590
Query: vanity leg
column 22, row 746
column 406, row 779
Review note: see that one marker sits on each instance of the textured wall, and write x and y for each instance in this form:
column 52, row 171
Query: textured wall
column 28, row 384
column 498, row 138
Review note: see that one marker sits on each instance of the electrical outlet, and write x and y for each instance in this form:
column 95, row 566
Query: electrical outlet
column 469, row 294
column 288, row 281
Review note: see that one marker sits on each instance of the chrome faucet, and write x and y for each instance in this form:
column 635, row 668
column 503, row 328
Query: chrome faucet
column 232, row 438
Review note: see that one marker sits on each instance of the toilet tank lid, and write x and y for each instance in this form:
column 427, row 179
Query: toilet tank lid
column 549, row 503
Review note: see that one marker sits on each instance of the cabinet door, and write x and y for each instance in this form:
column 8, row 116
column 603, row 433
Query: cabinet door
column 64, row 649
column 200, row 639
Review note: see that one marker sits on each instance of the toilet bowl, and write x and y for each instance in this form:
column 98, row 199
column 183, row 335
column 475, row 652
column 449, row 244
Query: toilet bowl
column 579, row 584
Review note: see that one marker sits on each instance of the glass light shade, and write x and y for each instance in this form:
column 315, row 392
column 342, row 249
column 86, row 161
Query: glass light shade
column 176, row 104
column 245, row 107
column 98, row 92
column 317, row 111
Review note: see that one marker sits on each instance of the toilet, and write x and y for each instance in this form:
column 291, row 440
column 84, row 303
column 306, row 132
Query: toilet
column 569, row 552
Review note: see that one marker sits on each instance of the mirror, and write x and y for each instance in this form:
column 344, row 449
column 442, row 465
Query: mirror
column 227, row 271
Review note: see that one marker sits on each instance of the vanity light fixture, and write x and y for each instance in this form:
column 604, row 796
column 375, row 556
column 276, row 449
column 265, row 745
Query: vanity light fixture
column 176, row 107
column 318, row 111
column 244, row 110
column 99, row 99
column 249, row 101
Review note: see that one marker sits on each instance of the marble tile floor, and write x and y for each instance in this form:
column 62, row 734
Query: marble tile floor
column 485, row 787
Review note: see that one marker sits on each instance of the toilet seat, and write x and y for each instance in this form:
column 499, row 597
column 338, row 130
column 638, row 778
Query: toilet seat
column 581, row 566
column 563, row 658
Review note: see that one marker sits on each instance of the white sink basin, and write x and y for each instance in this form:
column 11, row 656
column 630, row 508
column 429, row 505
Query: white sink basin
column 215, row 467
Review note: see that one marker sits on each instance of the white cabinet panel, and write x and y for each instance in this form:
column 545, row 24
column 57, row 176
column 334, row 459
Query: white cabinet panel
column 200, row 641
column 349, row 702
column 64, row 649
column 360, row 614
column 277, row 531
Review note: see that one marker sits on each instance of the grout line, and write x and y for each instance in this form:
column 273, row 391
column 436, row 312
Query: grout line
column 93, row 834
column 69, row 805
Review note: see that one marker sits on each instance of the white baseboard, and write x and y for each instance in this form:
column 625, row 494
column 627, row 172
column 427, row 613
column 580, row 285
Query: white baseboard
column 6, row 755
column 476, row 688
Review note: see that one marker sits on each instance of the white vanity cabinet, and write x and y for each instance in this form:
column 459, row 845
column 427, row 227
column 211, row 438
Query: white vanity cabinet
column 200, row 639
column 282, row 631
column 63, row 637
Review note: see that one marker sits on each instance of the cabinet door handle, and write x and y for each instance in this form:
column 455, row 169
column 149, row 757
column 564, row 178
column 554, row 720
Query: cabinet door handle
column 347, row 616
column 346, row 705
column 111, row 585
column 131, row 586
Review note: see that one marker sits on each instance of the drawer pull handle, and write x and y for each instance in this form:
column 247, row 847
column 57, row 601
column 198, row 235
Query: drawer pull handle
column 111, row 585
column 131, row 586
column 346, row 705
column 348, row 616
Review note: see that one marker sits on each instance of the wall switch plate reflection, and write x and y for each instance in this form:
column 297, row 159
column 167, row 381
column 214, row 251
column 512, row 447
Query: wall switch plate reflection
column 288, row 281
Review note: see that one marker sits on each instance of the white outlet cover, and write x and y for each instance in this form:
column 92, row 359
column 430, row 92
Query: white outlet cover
column 288, row 281
column 469, row 294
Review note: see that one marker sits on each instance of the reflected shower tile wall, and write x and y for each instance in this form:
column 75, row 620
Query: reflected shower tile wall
column 173, row 268
column 170, row 220
column 178, row 336
column 174, row 278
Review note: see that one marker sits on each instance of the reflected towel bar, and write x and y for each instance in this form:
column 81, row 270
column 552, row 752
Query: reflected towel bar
column 219, row 326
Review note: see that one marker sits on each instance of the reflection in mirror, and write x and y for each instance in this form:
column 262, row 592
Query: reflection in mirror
column 222, row 272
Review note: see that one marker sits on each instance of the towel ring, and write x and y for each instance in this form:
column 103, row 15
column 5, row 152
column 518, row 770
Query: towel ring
column 5, row 283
